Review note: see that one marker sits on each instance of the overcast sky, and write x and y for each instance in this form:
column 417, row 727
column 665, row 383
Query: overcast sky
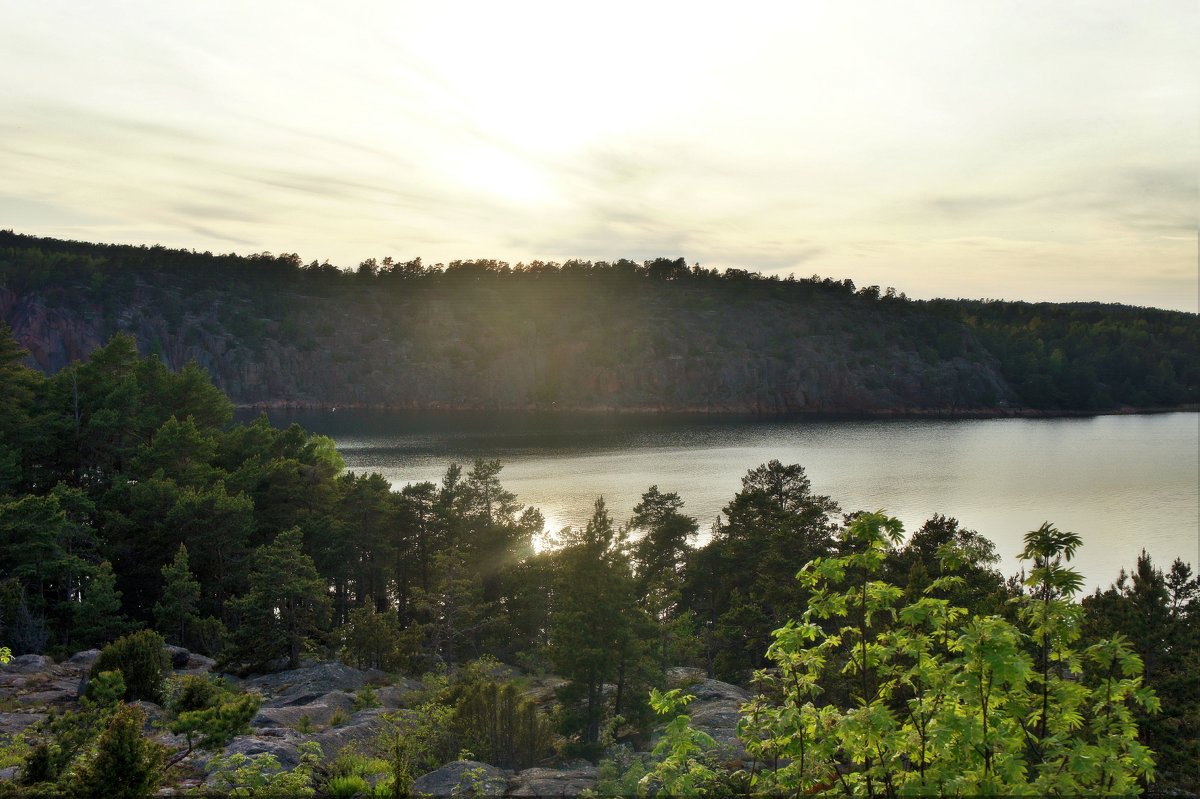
column 1026, row 150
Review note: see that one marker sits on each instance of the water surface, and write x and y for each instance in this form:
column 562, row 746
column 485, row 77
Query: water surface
column 1123, row 483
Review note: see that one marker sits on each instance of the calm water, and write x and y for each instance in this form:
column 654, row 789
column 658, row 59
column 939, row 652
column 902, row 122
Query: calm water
column 1122, row 482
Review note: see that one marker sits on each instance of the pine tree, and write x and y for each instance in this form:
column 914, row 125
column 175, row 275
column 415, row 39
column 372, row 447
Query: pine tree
column 98, row 616
column 286, row 606
column 126, row 764
column 594, row 630
column 181, row 595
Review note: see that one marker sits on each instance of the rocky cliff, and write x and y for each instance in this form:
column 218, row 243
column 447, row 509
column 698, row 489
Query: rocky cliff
column 618, row 336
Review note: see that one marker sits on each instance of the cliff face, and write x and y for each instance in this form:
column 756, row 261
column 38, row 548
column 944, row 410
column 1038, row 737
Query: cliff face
column 658, row 336
column 652, row 350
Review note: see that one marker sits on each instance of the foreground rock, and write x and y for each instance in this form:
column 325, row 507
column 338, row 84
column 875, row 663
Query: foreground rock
column 462, row 778
column 306, row 685
column 716, row 711
column 570, row 780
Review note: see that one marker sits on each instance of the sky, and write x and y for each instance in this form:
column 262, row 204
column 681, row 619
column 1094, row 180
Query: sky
column 1018, row 150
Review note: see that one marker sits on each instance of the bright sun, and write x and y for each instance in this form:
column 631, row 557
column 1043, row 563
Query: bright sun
column 499, row 173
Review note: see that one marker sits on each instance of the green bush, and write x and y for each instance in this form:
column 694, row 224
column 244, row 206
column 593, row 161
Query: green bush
column 191, row 692
column 126, row 764
column 207, row 712
column 142, row 661
column 365, row 699
column 347, row 786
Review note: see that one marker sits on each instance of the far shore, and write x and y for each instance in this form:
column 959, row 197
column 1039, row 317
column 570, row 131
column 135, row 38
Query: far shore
column 710, row 411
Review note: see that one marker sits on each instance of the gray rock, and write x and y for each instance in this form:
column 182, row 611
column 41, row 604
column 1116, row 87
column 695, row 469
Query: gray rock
column 683, row 676
column 717, row 691
column 15, row 722
column 404, row 693
column 362, row 728
column 85, row 659
column 319, row 713
column 305, row 685
column 28, row 664
column 53, row 694
column 283, row 748
column 154, row 713
column 198, row 663
column 179, row 656
column 462, row 778
column 571, row 780
column 9, row 773
column 716, row 711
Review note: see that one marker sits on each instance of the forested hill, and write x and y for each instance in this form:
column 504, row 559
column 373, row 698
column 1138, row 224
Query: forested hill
column 658, row 335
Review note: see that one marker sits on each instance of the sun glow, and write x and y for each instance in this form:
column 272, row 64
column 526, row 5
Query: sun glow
column 498, row 173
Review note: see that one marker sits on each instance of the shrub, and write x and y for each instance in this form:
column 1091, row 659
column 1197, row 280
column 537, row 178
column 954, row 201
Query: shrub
column 365, row 699
column 142, row 661
column 191, row 692
column 105, row 689
column 347, row 786
column 126, row 764
column 262, row 775
column 207, row 713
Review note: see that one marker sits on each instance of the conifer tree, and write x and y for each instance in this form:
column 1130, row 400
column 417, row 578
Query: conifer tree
column 181, row 596
column 287, row 604
column 126, row 765
column 98, row 616
column 594, row 635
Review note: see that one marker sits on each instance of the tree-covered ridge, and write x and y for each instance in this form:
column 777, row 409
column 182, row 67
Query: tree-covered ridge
column 658, row 335
column 129, row 501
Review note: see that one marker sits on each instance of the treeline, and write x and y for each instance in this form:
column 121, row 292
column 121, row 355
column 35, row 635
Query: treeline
column 654, row 335
column 127, row 500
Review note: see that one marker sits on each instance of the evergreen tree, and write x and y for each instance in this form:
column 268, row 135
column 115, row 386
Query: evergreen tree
column 594, row 629
column 17, row 432
column 180, row 598
column 98, row 616
column 126, row 764
column 666, row 534
column 741, row 584
column 1160, row 616
column 286, row 607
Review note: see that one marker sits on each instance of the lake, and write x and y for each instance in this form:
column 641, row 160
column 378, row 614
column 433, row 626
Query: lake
column 1123, row 483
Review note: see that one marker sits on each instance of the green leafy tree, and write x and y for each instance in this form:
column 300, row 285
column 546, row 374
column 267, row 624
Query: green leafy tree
column 874, row 696
column 286, row 607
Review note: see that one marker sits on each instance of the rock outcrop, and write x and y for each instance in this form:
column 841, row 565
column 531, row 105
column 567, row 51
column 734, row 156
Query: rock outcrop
column 462, row 778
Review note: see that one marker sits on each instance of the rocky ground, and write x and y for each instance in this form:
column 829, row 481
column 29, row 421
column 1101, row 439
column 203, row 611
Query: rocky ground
column 318, row 703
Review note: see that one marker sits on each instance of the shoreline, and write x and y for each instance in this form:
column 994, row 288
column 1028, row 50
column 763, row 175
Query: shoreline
column 712, row 412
